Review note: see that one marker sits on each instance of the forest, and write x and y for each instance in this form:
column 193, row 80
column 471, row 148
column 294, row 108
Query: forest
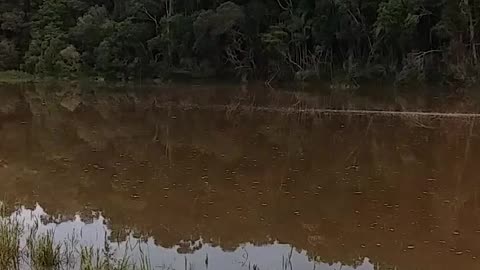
column 271, row 40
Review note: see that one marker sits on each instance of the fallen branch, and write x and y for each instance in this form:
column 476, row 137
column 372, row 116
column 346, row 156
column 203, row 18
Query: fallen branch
column 329, row 111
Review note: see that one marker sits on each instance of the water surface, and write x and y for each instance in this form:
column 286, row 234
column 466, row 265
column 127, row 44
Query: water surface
column 245, row 187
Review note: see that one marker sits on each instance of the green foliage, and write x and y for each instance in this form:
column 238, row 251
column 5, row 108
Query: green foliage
column 44, row 58
column 69, row 62
column 91, row 28
column 9, row 58
column 137, row 39
column 12, row 21
column 48, row 39
column 123, row 54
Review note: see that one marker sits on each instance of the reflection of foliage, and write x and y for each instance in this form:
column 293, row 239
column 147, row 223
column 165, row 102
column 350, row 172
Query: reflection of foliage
column 272, row 154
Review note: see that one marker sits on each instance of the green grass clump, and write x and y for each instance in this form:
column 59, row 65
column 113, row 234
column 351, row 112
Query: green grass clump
column 94, row 259
column 90, row 259
column 44, row 253
column 23, row 247
column 10, row 232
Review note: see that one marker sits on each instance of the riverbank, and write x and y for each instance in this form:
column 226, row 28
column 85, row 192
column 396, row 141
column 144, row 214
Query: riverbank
column 15, row 76
column 311, row 85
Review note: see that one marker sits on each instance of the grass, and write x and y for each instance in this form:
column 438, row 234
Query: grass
column 42, row 252
column 15, row 76
column 93, row 259
column 10, row 232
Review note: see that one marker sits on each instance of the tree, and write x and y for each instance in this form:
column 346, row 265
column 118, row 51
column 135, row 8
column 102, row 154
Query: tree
column 273, row 39
column 9, row 56
column 49, row 32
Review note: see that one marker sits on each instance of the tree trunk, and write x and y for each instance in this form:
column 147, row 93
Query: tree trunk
column 169, row 9
column 472, row 31
column 119, row 9
column 27, row 6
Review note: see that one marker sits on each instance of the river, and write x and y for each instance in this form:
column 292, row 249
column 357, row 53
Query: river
column 222, row 177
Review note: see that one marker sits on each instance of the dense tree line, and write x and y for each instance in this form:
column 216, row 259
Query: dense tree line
column 249, row 39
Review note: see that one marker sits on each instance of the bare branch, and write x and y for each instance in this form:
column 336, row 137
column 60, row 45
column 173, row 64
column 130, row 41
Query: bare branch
column 153, row 18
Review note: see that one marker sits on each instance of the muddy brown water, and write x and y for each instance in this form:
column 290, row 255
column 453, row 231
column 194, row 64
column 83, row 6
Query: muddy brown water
column 244, row 187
